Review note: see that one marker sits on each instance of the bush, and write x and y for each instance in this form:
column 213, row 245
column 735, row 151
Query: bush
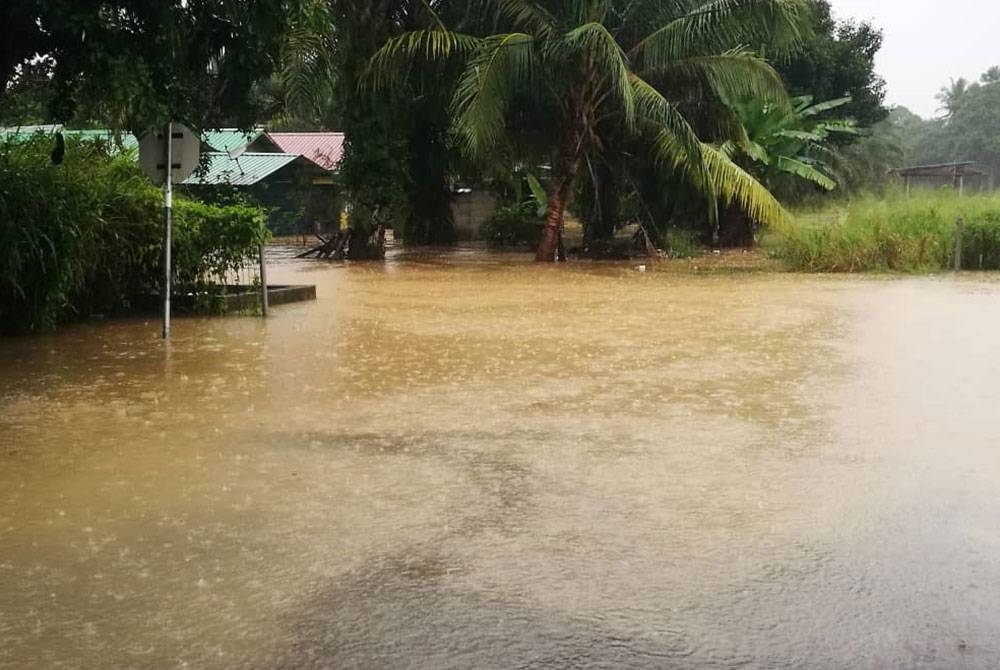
column 514, row 226
column 680, row 243
column 85, row 237
column 897, row 234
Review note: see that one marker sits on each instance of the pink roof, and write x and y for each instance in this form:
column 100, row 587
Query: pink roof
column 324, row 149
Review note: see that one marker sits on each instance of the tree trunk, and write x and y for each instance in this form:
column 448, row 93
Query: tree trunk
column 560, row 195
column 553, row 220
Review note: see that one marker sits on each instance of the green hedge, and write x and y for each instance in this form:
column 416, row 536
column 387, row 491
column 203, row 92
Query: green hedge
column 85, row 237
column 516, row 225
column 896, row 234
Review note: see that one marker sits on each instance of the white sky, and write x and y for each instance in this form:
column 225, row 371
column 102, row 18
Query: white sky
column 929, row 42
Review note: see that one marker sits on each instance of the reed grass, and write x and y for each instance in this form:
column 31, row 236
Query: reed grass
column 893, row 234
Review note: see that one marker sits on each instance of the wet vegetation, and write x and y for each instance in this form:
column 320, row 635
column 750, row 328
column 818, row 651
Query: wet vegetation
column 663, row 128
column 894, row 233
column 85, row 238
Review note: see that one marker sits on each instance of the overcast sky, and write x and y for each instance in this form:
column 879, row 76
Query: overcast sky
column 928, row 42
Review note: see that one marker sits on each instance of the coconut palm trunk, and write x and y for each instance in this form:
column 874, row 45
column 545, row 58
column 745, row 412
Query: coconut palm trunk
column 561, row 189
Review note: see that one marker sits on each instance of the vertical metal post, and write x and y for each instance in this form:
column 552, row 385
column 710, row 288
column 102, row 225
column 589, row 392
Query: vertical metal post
column 168, row 204
column 961, row 186
column 959, row 230
column 907, row 186
column 263, row 283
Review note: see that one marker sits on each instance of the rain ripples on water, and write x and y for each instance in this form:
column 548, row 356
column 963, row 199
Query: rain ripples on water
column 467, row 461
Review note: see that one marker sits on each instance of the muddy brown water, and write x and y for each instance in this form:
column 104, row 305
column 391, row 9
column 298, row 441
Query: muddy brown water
column 468, row 461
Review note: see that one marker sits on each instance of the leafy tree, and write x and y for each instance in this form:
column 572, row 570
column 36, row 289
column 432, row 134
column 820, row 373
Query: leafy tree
column 28, row 95
column 397, row 159
column 581, row 63
column 991, row 76
column 836, row 60
column 863, row 165
column 138, row 64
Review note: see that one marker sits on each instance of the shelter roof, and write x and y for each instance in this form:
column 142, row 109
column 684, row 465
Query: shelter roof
column 324, row 149
column 244, row 170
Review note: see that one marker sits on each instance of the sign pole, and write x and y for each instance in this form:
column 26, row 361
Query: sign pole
column 168, row 204
column 263, row 283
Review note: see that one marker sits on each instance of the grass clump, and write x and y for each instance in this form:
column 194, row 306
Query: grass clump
column 894, row 235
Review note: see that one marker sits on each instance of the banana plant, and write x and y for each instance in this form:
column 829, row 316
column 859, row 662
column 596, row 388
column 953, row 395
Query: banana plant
column 796, row 142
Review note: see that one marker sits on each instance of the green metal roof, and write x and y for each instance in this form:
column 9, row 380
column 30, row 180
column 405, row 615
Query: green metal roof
column 229, row 139
column 115, row 140
column 245, row 170
column 126, row 141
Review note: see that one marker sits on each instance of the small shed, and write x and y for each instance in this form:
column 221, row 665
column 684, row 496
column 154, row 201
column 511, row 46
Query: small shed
column 286, row 184
column 942, row 173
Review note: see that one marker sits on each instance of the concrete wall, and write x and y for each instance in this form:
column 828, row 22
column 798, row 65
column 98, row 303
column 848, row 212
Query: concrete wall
column 471, row 210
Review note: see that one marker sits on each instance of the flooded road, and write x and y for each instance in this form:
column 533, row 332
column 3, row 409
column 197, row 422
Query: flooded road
column 468, row 461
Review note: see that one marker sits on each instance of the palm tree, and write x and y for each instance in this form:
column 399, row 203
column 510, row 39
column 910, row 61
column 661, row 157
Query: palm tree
column 582, row 64
column 951, row 96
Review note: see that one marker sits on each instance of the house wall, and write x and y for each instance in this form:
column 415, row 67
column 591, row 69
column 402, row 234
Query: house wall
column 471, row 211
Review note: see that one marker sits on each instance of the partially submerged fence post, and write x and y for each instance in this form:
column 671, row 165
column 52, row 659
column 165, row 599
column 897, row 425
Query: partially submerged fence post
column 263, row 283
column 959, row 230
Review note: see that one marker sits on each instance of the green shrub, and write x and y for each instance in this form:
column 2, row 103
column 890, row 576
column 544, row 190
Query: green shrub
column 681, row 243
column 514, row 226
column 85, row 237
column 896, row 234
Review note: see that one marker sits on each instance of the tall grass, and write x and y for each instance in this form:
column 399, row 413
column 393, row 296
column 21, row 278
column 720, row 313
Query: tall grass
column 84, row 237
column 894, row 235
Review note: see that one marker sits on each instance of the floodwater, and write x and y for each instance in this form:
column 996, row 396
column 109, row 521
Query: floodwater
column 467, row 461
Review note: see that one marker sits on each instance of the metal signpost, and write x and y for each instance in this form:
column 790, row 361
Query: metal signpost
column 179, row 148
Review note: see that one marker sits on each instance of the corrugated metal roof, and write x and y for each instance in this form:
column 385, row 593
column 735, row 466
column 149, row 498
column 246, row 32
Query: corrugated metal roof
column 126, row 141
column 115, row 139
column 229, row 139
column 246, row 170
column 30, row 130
column 324, row 149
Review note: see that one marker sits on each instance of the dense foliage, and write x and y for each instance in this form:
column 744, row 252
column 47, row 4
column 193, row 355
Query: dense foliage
column 670, row 116
column 836, row 59
column 585, row 71
column 517, row 225
column 137, row 64
column 85, row 237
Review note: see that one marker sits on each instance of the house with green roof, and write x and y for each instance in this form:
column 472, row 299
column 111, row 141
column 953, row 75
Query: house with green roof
column 299, row 195
column 299, row 192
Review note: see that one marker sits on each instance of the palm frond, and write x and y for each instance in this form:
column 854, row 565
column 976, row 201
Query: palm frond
column 805, row 171
column 735, row 75
column 491, row 76
column 721, row 25
column 597, row 42
column 527, row 16
column 390, row 64
column 733, row 185
column 307, row 73
column 676, row 143
column 819, row 108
